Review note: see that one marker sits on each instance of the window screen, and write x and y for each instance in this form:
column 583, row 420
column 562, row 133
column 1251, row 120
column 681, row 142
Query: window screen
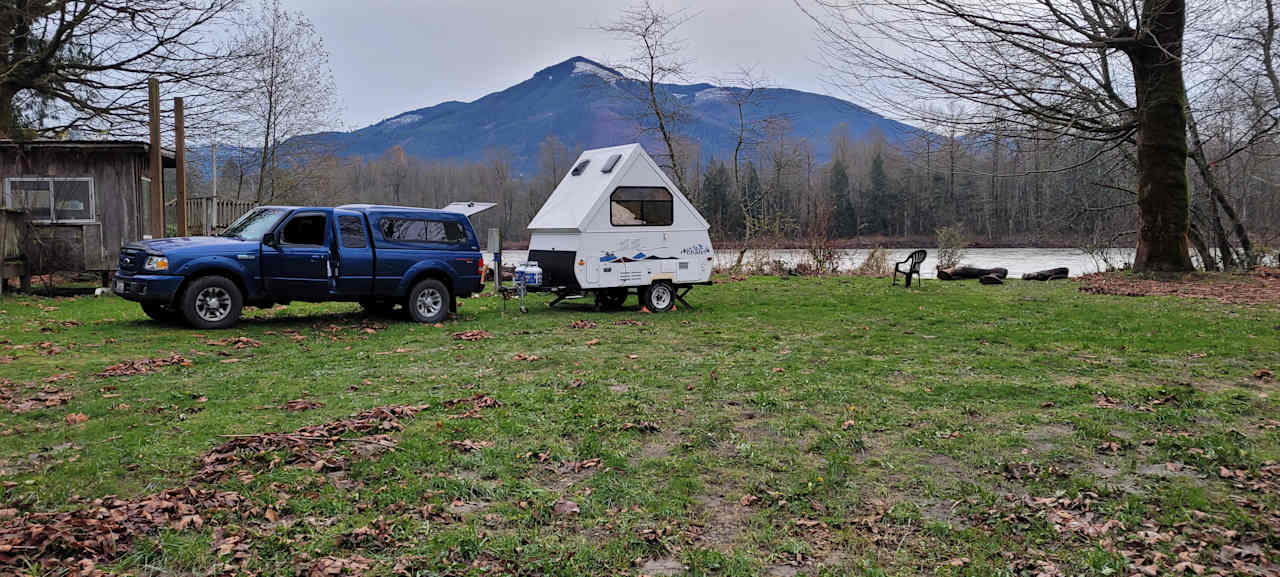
column 304, row 229
column 71, row 200
column 422, row 230
column 641, row 206
column 52, row 199
column 352, row 232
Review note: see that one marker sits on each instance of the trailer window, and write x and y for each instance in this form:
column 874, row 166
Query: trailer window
column 52, row 199
column 352, row 232
column 422, row 230
column 641, row 206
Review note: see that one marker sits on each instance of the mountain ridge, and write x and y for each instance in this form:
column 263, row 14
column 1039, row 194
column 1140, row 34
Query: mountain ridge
column 588, row 104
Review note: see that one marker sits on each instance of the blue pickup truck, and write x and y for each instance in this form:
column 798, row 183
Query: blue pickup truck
column 379, row 256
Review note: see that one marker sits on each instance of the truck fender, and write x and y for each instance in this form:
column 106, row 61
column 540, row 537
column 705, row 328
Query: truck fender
column 424, row 269
column 225, row 266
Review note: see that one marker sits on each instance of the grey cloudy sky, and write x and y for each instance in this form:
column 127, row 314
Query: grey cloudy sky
column 389, row 56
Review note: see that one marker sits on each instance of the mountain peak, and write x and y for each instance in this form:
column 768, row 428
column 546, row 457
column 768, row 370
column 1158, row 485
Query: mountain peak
column 579, row 66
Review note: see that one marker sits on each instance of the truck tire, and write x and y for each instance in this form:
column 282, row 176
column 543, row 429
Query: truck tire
column 658, row 297
column 428, row 301
column 160, row 313
column 211, row 302
column 378, row 308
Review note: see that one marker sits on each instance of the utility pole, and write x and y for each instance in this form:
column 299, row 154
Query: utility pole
column 180, row 158
column 157, row 168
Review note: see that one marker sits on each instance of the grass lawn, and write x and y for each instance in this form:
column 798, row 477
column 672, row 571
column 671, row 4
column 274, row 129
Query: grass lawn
column 785, row 427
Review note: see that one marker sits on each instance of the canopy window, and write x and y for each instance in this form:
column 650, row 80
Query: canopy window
column 641, row 206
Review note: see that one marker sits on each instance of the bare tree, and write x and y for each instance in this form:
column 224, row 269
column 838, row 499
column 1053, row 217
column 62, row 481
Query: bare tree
column 1104, row 70
column 287, row 92
column 655, row 60
column 84, row 64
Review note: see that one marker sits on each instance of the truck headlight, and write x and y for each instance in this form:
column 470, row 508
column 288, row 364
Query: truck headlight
column 156, row 263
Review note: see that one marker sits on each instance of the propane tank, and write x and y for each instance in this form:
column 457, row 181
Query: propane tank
column 529, row 274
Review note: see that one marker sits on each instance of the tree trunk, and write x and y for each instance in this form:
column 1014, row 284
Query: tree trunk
column 8, row 126
column 1163, row 200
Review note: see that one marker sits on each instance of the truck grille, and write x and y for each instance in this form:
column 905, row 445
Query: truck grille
column 132, row 260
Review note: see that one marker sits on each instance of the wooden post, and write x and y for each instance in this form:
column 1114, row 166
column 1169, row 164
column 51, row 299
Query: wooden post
column 157, row 166
column 180, row 158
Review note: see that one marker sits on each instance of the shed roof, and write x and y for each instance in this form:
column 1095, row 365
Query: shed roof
column 166, row 155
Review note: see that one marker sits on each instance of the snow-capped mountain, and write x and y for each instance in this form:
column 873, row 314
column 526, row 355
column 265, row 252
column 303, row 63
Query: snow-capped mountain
column 587, row 104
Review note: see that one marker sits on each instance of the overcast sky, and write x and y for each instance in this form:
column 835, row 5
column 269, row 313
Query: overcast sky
column 389, row 56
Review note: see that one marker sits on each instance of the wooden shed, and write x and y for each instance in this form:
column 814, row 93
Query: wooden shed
column 80, row 200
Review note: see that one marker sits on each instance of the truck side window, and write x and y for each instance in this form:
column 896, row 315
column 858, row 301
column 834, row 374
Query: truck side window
column 352, row 232
column 304, row 229
column 641, row 206
column 422, row 230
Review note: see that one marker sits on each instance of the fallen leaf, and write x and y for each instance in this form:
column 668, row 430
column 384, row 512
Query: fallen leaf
column 76, row 418
column 565, row 507
column 593, row 342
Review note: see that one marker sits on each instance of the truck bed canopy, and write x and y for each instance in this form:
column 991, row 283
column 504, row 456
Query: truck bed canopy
column 581, row 202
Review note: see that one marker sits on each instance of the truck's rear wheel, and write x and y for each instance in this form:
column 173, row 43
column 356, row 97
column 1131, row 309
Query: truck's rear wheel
column 160, row 313
column 379, row 308
column 211, row 302
column 658, row 297
column 428, row 301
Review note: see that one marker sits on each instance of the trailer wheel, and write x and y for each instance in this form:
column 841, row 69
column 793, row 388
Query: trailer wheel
column 211, row 302
column 611, row 298
column 658, row 297
column 428, row 301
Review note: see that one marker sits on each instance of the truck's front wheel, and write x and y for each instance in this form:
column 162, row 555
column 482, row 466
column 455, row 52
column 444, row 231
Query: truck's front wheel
column 428, row 301
column 160, row 313
column 212, row 302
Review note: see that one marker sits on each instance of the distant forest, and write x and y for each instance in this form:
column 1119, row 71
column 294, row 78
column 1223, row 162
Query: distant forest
column 1001, row 191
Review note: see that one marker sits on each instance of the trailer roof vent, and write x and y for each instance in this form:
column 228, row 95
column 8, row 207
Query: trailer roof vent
column 581, row 167
column 609, row 164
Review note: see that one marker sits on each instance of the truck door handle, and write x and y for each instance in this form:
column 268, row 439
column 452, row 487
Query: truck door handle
column 319, row 257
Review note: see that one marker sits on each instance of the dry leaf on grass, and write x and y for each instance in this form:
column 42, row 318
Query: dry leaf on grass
column 144, row 366
column 76, row 418
column 565, row 507
column 472, row 335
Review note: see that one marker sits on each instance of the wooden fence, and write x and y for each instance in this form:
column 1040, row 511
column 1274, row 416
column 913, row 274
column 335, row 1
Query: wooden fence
column 209, row 215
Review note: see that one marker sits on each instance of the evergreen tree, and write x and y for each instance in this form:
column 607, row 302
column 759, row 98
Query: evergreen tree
column 715, row 199
column 880, row 201
column 843, row 221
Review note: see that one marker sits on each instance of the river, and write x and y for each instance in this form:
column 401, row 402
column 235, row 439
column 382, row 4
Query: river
column 1018, row 260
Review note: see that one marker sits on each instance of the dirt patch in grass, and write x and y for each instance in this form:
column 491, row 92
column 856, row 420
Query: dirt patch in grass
column 1257, row 287
column 1045, row 438
column 721, row 520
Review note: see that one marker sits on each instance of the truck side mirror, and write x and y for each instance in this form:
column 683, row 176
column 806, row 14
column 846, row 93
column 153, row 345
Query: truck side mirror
column 269, row 239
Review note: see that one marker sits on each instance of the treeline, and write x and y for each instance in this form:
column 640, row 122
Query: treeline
column 1032, row 190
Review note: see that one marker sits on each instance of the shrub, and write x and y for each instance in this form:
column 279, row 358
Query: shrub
column 951, row 244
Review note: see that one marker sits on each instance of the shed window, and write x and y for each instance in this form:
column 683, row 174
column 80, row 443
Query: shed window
column 422, row 230
column 51, row 199
column 640, row 206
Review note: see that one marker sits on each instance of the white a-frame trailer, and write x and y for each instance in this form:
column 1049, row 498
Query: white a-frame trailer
column 616, row 223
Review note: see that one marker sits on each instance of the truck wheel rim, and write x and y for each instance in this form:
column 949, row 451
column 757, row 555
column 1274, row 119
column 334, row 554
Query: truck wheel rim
column 661, row 296
column 213, row 304
column 429, row 302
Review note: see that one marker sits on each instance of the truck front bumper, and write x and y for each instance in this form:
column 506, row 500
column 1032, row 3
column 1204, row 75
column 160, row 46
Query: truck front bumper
column 149, row 288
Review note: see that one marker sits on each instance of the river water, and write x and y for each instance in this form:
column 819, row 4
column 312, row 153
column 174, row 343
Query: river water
column 1018, row 260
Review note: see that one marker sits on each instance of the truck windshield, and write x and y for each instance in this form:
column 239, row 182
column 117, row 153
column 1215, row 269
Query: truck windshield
column 255, row 223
